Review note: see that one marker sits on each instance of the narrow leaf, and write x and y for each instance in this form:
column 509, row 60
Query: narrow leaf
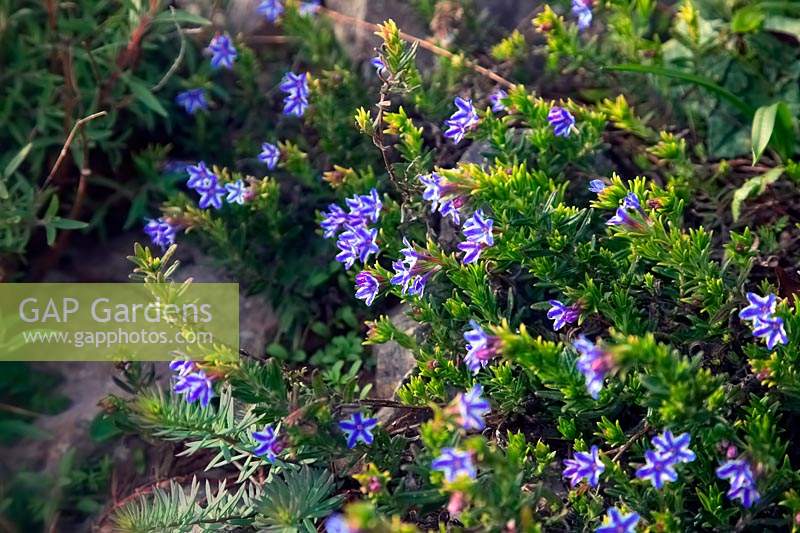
column 763, row 125
column 17, row 160
column 755, row 185
column 145, row 96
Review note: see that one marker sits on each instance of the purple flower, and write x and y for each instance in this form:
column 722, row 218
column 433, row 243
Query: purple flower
column 616, row 522
column 307, row 9
column 366, row 206
column 357, row 428
column 771, row 329
column 433, row 188
column 195, row 386
column 454, row 464
column 582, row 9
column 223, row 53
column 295, row 105
column 449, row 208
column 332, row 220
column 295, row 84
column 561, row 314
column 410, row 254
column 161, row 232
column 657, row 468
column 464, row 119
column 272, row 9
column 631, row 203
column 472, row 251
column 336, row 523
column 270, row 155
column 480, row 347
column 584, row 466
column 269, row 445
column 591, row 364
column 182, row 366
column 496, row 98
column 192, row 100
column 367, row 287
column 743, row 485
column 472, row 406
column 759, row 308
column 211, row 196
column 597, row 186
column 477, row 228
column 402, row 274
column 561, row 120
column 674, row 449
column 235, row 192
column 200, row 177
column 622, row 218
column 377, row 63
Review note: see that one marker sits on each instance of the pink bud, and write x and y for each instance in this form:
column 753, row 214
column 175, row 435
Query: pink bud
column 731, row 452
column 374, row 484
column 797, row 519
column 456, row 504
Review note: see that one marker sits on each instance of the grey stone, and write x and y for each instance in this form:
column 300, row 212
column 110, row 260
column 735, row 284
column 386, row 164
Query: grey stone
column 393, row 362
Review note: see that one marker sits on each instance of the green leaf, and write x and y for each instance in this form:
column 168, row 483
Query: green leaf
column 145, row 96
column 747, row 19
column 700, row 81
column 763, row 125
column 755, row 185
column 16, row 161
column 67, row 223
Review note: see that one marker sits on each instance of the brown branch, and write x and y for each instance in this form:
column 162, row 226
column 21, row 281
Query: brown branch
column 630, row 442
column 378, row 402
column 341, row 18
column 79, row 124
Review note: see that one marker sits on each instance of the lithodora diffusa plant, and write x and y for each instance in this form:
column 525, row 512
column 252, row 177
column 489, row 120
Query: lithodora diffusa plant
column 586, row 357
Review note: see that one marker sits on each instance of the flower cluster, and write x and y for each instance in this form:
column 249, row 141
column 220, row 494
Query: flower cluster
column 660, row 462
column 761, row 314
column 478, row 231
column 191, row 382
column 464, row 119
column 743, row 484
column 413, row 271
column 192, row 100
column 161, row 232
column 223, row 53
column 356, row 241
column 295, row 87
column 442, row 195
column 358, row 428
column 206, row 183
column 480, row 347
column 593, row 363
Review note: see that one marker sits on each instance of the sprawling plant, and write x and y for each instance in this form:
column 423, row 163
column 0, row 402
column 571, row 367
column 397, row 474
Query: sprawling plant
column 588, row 356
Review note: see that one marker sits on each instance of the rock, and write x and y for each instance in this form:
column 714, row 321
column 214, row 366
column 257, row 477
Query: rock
column 393, row 362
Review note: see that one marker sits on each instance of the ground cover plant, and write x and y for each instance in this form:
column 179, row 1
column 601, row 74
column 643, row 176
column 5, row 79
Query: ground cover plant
column 590, row 219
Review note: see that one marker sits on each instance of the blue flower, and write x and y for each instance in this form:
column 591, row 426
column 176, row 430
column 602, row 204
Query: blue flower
column 584, row 466
column 402, row 274
column 270, row 155
column 366, row 206
column 377, row 63
column 192, row 100
column 454, row 464
column 357, row 428
column 309, row 8
column 236, row 192
column 591, row 364
column 616, row 522
column 332, row 220
column 200, row 177
column 759, row 308
column 211, row 196
column 269, row 445
column 336, row 523
column 480, row 347
column 477, row 228
column 295, row 105
column 674, row 449
column 161, row 232
column 449, row 208
column 418, row 284
column 561, row 314
column 464, row 119
column 582, row 9
column 472, row 251
column 631, row 203
column 472, row 406
column 195, row 386
column 743, row 485
column 295, row 84
column 433, row 188
column 182, row 366
column 562, row 121
column 272, row 9
column 597, row 186
column 496, row 100
column 622, row 218
column 657, row 468
column 223, row 53
column 367, row 287
column 771, row 329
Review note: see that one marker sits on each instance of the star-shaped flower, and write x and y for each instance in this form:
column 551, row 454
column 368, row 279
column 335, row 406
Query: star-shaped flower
column 759, row 307
column 771, row 329
column 743, row 485
column 272, row 9
column 659, row 470
column 597, row 186
column 674, row 449
column 562, row 314
column 616, row 522
column 270, row 155
column 223, row 53
column 332, row 220
column 478, row 228
column 357, row 428
column 161, row 232
column 211, row 196
column 472, row 406
column 236, row 192
column 200, row 177
column 192, row 100
column 195, row 387
column 480, row 347
column 367, row 287
column 562, row 121
column 454, row 464
column 268, row 443
column 586, row 466
column 496, row 100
